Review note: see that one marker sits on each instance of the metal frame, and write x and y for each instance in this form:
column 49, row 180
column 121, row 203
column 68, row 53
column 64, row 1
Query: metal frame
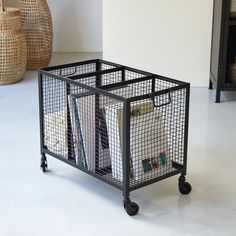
column 220, row 82
column 104, row 90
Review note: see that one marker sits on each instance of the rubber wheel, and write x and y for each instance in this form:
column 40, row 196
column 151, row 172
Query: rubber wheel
column 131, row 208
column 185, row 188
column 44, row 167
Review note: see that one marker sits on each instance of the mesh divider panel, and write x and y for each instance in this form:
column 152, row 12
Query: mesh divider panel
column 105, row 66
column 109, row 142
column 129, row 75
column 111, row 78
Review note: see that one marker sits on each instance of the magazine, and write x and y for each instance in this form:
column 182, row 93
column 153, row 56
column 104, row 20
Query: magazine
column 56, row 139
column 148, row 141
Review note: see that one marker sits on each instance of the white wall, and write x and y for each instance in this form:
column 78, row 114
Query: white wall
column 77, row 24
column 171, row 38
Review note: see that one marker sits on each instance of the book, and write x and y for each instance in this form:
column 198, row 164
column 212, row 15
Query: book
column 148, row 140
column 77, row 134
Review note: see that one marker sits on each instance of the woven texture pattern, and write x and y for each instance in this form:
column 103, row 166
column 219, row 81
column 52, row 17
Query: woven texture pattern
column 13, row 49
column 37, row 24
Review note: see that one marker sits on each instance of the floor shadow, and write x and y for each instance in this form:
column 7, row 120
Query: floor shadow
column 155, row 199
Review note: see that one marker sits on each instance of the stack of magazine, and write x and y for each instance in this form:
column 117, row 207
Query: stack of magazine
column 82, row 113
column 148, row 141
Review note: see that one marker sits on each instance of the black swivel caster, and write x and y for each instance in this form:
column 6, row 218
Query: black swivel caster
column 184, row 187
column 44, row 164
column 131, row 208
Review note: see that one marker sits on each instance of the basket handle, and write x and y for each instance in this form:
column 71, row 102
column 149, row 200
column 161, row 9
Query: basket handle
column 69, row 74
column 1, row 6
column 163, row 104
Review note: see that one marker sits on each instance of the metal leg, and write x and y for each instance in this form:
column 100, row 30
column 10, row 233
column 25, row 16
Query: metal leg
column 131, row 207
column 97, row 119
column 44, row 163
column 126, row 200
column 210, row 84
column 217, row 95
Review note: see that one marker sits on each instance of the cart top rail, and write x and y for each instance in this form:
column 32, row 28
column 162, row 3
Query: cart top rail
column 74, row 73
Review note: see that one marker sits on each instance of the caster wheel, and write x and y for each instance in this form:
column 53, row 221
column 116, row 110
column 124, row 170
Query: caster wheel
column 44, row 164
column 185, row 188
column 131, row 208
column 44, row 168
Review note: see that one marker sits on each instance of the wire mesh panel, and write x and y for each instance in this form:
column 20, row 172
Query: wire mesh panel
column 55, row 116
column 157, row 136
column 83, row 120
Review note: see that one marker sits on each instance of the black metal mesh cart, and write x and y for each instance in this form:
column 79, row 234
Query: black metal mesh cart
column 126, row 127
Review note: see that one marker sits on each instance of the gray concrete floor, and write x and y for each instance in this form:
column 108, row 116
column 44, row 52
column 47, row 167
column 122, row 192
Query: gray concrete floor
column 64, row 201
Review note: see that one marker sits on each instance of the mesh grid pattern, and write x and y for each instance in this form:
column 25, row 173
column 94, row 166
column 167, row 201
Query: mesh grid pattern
column 157, row 136
column 74, row 70
column 55, row 116
column 86, row 126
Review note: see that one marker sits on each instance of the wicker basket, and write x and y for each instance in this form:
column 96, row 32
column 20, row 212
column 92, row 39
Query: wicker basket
column 37, row 24
column 232, row 72
column 233, row 8
column 13, row 49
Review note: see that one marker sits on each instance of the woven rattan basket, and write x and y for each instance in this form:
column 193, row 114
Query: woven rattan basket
column 13, row 48
column 232, row 72
column 233, row 8
column 37, row 24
